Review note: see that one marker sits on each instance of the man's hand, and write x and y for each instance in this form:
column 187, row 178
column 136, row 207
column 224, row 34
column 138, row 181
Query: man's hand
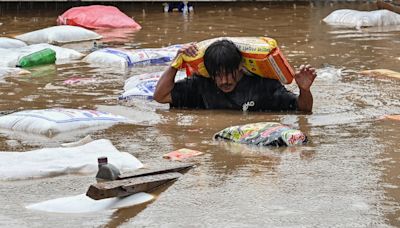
column 305, row 77
column 189, row 49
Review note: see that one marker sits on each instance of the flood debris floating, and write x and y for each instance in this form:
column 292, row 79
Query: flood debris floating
column 381, row 73
column 142, row 180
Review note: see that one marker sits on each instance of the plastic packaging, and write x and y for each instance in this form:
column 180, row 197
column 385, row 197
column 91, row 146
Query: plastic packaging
column 263, row 134
column 42, row 57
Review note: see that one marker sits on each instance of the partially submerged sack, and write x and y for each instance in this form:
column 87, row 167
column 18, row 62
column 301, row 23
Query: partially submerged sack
column 131, row 58
column 143, row 86
column 50, row 122
column 6, row 42
column 97, row 16
column 59, row 35
column 12, row 57
column 263, row 134
column 261, row 56
column 57, row 161
column 10, row 71
column 359, row 19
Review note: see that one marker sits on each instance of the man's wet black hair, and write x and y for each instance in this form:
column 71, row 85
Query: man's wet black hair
column 222, row 57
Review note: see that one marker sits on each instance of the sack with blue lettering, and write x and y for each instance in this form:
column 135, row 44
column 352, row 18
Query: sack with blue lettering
column 143, row 86
column 263, row 134
column 111, row 57
column 50, row 122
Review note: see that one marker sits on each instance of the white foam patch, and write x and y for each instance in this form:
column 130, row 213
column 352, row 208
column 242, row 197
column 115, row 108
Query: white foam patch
column 49, row 162
column 83, row 204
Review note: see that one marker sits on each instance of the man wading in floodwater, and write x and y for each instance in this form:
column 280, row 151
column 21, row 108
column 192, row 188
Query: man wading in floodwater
column 231, row 86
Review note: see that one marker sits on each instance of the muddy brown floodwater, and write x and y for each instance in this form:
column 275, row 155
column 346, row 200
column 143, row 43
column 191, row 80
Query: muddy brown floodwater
column 348, row 175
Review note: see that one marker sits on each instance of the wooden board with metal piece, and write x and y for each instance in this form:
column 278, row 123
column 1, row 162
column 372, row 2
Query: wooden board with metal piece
column 165, row 168
column 129, row 186
column 141, row 180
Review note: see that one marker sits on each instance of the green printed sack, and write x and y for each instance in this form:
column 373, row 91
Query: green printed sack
column 263, row 134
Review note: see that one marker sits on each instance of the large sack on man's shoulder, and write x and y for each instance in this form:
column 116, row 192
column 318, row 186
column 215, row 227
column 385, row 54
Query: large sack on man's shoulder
column 263, row 134
column 97, row 16
column 59, row 35
column 261, row 56
column 359, row 19
column 6, row 42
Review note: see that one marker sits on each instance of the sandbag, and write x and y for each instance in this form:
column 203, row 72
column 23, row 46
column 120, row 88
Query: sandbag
column 263, row 134
column 50, row 122
column 143, row 86
column 10, row 71
column 6, row 42
column 111, row 57
column 58, row 35
column 97, row 16
column 49, row 162
column 261, row 56
column 11, row 57
column 359, row 19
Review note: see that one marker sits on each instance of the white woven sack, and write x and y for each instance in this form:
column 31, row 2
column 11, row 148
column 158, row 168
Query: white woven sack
column 131, row 58
column 48, row 162
column 6, row 42
column 50, row 122
column 142, row 86
column 9, row 71
column 358, row 19
column 11, row 57
column 59, row 35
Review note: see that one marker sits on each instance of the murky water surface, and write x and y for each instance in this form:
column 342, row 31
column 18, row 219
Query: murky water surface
column 347, row 176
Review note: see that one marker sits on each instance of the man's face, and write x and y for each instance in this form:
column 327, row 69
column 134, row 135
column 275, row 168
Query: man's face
column 227, row 82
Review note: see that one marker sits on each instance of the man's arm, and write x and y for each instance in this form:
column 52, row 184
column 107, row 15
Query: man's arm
column 165, row 85
column 304, row 79
column 162, row 94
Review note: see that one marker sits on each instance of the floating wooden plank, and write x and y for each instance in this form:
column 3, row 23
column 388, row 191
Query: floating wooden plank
column 165, row 168
column 392, row 6
column 125, row 187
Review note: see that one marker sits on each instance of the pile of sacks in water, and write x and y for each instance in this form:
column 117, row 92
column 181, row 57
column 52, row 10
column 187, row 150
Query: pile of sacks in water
column 43, row 46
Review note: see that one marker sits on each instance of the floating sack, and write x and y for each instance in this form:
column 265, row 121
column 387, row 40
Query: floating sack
column 12, row 57
column 381, row 72
column 263, row 134
column 143, row 86
column 50, row 122
column 131, row 58
column 6, row 42
column 97, row 16
column 9, row 71
column 59, row 35
column 84, row 204
column 261, row 56
column 49, row 162
column 359, row 19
